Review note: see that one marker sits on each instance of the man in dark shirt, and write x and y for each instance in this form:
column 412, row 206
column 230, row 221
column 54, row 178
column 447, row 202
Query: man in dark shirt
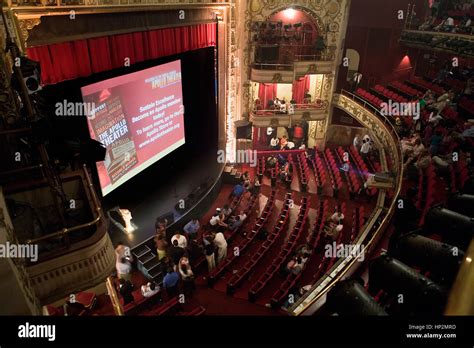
column 175, row 252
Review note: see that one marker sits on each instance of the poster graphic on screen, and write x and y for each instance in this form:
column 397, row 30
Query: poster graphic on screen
column 138, row 117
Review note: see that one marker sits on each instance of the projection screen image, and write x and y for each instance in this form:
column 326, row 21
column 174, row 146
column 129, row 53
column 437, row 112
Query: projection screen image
column 138, row 117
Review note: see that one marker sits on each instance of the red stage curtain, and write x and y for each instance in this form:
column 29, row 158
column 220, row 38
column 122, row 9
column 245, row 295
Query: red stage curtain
column 70, row 60
column 266, row 92
column 300, row 87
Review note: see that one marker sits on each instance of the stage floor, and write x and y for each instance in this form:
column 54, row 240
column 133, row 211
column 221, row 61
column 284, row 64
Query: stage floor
column 162, row 199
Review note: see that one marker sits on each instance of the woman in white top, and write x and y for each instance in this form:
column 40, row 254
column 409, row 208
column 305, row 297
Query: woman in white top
column 187, row 275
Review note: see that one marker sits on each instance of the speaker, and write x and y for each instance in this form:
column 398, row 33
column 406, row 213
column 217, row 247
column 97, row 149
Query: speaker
column 267, row 54
column 243, row 129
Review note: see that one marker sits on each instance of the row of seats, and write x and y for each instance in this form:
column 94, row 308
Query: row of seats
column 170, row 307
column 281, row 226
column 369, row 97
column 333, row 171
column 303, row 169
column 426, row 191
column 412, row 92
column 319, row 172
column 420, row 82
column 285, row 252
column 291, row 279
column 196, row 312
column 390, row 94
column 259, row 224
column 289, row 177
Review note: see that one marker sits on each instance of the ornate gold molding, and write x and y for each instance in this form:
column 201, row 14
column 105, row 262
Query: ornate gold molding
column 26, row 25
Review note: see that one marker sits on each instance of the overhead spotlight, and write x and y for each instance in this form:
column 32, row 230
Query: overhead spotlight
column 31, row 72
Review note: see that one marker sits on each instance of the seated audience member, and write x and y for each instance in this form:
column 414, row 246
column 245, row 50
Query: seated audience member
column 161, row 246
column 149, row 289
column 217, row 221
column 192, row 228
column 238, row 190
column 226, row 211
column 182, row 241
column 417, row 148
column 274, row 143
column 221, row 245
column 332, row 230
column 284, row 143
column 187, row 275
column 209, row 251
column 235, row 224
column 175, row 252
column 337, row 216
column 123, row 261
column 126, row 289
column 291, row 145
column 170, row 282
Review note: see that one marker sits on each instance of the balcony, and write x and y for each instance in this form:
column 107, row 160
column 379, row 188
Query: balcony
column 308, row 112
column 96, row 3
column 453, row 43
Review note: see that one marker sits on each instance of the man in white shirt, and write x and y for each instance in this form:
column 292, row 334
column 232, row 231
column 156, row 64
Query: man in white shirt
column 221, row 245
column 274, row 142
column 182, row 241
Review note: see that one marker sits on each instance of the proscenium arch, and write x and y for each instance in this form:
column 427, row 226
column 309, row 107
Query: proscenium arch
column 317, row 20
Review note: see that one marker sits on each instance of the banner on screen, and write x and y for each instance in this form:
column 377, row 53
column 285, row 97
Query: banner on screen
column 138, row 117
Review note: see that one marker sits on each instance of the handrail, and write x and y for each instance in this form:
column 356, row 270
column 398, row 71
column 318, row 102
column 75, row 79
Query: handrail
column 313, row 106
column 67, row 230
column 342, row 267
column 111, row 291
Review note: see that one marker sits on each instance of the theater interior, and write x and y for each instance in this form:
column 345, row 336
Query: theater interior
column 237, row 158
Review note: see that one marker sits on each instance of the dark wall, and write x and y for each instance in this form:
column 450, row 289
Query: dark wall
column 374, row 30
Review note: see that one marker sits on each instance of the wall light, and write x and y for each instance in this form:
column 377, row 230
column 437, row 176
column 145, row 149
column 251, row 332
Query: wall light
column 290, row 13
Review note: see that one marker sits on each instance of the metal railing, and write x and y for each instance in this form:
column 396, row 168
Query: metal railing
column 111, row 291
column 371, row 231
column 322, row 105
